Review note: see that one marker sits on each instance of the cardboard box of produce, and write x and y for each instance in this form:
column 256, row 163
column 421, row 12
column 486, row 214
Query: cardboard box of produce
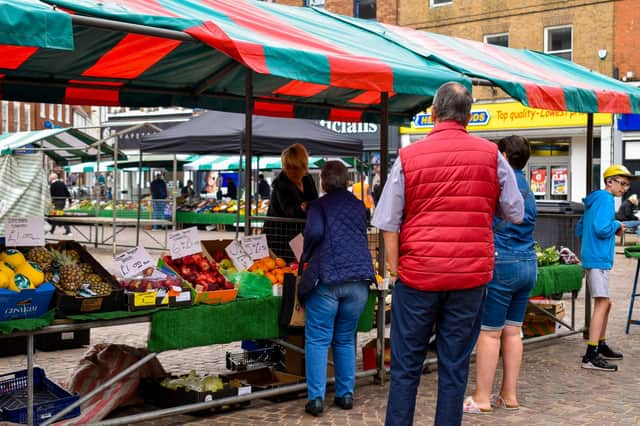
column 538, row 324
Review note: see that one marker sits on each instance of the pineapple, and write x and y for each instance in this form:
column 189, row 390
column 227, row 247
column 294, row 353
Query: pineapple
column 86, row 268
column 73, row 254
column 40, row 256
column 71, row 275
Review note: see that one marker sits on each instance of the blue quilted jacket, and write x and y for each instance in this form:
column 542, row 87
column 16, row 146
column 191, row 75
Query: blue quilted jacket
column 335, row 241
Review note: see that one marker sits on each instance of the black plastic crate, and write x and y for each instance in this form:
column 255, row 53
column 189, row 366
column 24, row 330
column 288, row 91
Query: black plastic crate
column 11, row 346
column 48, row 398
column 63, row 340
column 241, row 361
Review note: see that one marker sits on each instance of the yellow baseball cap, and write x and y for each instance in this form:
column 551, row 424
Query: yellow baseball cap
column 617, row 170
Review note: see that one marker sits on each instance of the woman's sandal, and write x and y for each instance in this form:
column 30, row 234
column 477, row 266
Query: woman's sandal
column 471, row 407
column 498, row 401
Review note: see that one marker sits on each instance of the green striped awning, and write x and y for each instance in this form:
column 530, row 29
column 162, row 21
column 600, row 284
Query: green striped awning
column 232, row 162
column 64, row 145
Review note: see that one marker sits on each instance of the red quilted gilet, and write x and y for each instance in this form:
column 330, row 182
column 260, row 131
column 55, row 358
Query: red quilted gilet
column 451, row 192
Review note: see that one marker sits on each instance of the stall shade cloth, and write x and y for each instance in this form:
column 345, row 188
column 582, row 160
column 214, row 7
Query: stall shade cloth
column 305, row 64
column 32, row 24
column 217, row 132
column 64, row 145
column 25, row 191
column 535, row 79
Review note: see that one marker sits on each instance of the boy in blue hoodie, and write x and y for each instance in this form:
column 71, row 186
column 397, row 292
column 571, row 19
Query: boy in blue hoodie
column 598, row 228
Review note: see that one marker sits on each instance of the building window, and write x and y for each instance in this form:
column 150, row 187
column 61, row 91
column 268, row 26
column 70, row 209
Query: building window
column 16, row 116
column 43, row 110
column 59, row 108
column 365, row 9
column 52, row 112
column 314, row 3
column 558, row 41
column 27, row 117
column 67, row 113
column 436, row 3
column 5, row 117
column 497, row 39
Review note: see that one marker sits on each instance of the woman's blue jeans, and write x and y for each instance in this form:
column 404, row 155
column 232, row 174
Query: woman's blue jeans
column 331, row 317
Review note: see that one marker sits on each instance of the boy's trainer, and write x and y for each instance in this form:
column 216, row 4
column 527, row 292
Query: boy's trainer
column 597, row 362
column 607, row 353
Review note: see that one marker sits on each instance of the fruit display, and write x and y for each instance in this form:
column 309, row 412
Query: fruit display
column 220, row 206
column 156, row 281
column 17, row 273
column 200, row 271
column 272, row 268
column 194, row 382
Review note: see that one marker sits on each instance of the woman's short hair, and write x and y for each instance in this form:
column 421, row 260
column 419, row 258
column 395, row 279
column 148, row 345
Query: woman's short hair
column 295, row 157
column 333, row 176
column 517, row 149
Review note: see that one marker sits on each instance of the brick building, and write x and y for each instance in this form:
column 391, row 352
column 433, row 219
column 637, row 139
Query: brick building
column 23, row 117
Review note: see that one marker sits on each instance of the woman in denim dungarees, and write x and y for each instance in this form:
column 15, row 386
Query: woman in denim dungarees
column 514, row 275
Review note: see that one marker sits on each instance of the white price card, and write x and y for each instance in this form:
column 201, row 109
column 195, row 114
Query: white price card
column 133, row 262
column 241, row 260
column 184, row 242
column 255, row 246
column 297, row 244
column 24, row 231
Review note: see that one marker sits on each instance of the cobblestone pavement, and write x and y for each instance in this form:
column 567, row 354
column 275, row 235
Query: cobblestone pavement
column 553, row 390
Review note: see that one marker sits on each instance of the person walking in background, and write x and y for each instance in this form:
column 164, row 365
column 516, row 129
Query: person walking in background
column 292, row 190
column 626, row 216
column 264, row 191
column 188, row 191
column 159, row 195
column 514, row 275
column 598, row 228
column 336, row 248
column 59, row 196
column 436, row 213
column 232, row 191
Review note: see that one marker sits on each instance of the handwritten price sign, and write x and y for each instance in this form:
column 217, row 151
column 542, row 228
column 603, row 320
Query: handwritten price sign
column 255, row 246
column 24, row 231
column 240, row 258
column 133, row 262
column 184, row 242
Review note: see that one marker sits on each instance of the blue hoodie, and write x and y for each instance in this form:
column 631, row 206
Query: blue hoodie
column 597, row 228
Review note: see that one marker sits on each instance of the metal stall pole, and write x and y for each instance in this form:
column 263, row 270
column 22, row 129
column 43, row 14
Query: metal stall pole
column 30, row 379
column 384, row 160
column 114, row 196
column 589, row 174
column 174, row 196
column 238, row 197
column 248, row 135
column 139, row 198
column 96, row 185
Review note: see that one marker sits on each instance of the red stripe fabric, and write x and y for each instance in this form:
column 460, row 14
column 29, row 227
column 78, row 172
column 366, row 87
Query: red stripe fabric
column 613, row 101
column 252, row 55
column 345, row 67
column 545, row 97
column 132, row 56
column 11, row 57
column 337, row 114
column 300, row 88
column 85, row 96
column 147, row 7
column 368, row 98
column 273, row 110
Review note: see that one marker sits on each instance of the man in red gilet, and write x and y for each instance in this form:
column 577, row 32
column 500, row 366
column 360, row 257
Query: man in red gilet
column 436, row 214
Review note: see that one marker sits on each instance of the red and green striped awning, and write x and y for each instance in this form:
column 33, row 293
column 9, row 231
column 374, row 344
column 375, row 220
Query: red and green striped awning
column 305, row 64
column 33, row 24
column 535, row 79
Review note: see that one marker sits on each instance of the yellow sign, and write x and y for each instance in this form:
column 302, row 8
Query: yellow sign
column 511, row 115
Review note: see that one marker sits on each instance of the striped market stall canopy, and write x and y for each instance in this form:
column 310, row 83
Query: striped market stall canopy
column 231, row 162
column 196, row 54
column 33, row 24
column 64, row 145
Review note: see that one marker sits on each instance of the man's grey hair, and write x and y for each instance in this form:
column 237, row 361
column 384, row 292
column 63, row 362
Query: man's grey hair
column 453, row 102
column 334, row 176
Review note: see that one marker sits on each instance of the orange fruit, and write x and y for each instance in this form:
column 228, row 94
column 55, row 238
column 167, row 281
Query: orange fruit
column 280, row 262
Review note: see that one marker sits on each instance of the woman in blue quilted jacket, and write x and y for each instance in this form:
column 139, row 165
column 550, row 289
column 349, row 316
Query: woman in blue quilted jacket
column 335, row 286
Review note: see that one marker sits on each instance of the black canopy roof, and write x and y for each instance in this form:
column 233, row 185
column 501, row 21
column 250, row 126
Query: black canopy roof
column 216, row 132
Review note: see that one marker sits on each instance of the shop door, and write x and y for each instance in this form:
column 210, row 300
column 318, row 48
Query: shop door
column 549, row 178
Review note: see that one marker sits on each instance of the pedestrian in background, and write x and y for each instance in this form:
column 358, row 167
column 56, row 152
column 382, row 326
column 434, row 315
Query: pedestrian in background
column 626, row 214
column 436, row 213
column 336, row 290
column 598, row 228
column 59, row 196
column 514, row 275
column 159, row 195
column 264, row 191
